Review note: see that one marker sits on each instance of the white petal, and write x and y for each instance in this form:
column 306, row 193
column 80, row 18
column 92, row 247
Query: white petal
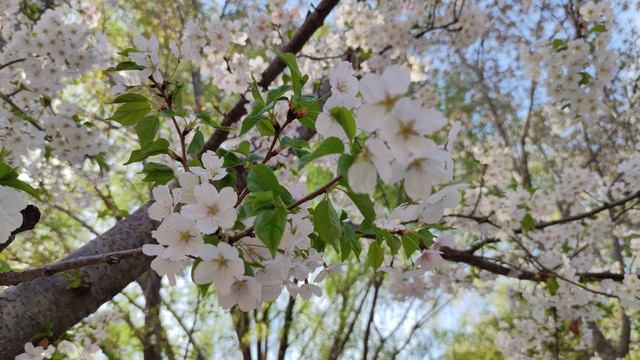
column 397, row 80
column 371, row 88
column 371, row 116
column 362, row 177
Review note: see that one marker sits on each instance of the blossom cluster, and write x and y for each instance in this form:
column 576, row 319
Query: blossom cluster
column 41, row 60
column 83, row 341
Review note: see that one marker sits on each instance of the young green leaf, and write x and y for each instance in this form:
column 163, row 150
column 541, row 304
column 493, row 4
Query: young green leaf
column 331, row 145
column 196, row 144
column 262, row 178
column 345, row 119
column 130, row 113
column 269, row 226
column 326, row 222
column 147, row 129
column 158, row 174
column 375, row 255
column 364, row 204
column 127, row 98
column 160, row 146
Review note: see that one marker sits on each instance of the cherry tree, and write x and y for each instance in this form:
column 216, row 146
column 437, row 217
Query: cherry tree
column 258, row 149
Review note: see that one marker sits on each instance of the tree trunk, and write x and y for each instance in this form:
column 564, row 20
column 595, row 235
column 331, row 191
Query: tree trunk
column 25, row 309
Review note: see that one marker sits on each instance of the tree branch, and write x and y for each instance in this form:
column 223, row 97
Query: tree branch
column 17, row 277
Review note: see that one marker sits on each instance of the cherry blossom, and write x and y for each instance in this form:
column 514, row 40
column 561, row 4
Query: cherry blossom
column 181, row 236
column 380, row 94
column 245, row 292
column 220, row 265
column 212, row 209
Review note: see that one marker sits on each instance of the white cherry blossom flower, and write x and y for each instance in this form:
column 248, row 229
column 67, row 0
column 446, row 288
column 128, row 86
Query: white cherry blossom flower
column 221, row 265
column 212, row 209
column 447, row 198
column 181, row 236
column 212, row 167
column 297, row 233
column 362, row 174
column 246, row 293
column 423, row 173
column 161, row 265
column 164, row 202
column 188, row 182
column 342, row 80
column 381, row 93
column 405, row 131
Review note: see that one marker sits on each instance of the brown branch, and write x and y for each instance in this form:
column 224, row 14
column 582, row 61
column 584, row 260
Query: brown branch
column 17, row 277
column 484, row 263
column 284, row 336
column 18, row 109
column 377, row 282
column 12, row 62
column 583, row 215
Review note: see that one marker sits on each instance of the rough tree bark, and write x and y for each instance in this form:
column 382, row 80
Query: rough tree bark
column 26, row 308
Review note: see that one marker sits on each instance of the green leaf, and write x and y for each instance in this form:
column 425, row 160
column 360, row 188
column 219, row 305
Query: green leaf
column 228, row 180
column 9, row 177
column 266, row 128
column 269, row 226
column 230, row 160
column 4, row 266
column 310, row 101
column 364, row 204
column 255, row 92
column 130, row 113
column 258, row 108
column 243, row 148
column 345, row 119
column 160, row 146
column 297, row 78
column 375, row 255
column 197, row 143
column 584, row 78
column 259, row 201
column 147, row 129
column 598, row 28
column 127, row 98
column 392, row 241
column 205, row 118
column 344, row 163
column 126, row 65
column 203, row 288
column 176, row 97
column 127, row 51
column 326, row 222
column 290, row 60
column 330, row 145
column 158, row 174
column 211, row 239
column 275, row 94
column 348, row 242
column 262, row 178
column 527, row 224
column 552, row 286
column 410, row 243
